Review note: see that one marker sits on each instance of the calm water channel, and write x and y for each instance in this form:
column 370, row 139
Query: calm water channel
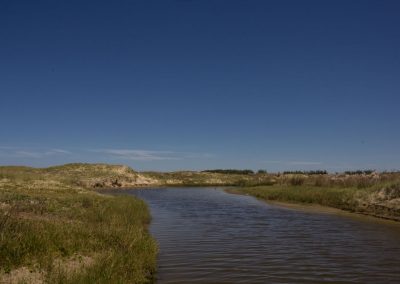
column 209, row 236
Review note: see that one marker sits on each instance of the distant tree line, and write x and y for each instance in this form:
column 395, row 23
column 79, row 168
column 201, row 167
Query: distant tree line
column 230, row 171
column 318, row 172
column 359, row 172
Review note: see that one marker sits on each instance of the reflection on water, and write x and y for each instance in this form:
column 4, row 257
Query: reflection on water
column 209, row 236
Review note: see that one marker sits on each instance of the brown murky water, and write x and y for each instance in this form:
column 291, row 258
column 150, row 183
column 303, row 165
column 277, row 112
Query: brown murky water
column 209, row 236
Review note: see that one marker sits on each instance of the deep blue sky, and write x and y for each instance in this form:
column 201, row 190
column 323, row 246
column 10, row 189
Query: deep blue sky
column 169, row 85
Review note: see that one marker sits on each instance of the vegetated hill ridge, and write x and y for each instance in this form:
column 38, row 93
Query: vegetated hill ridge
column 78, row 174
column 92, row 176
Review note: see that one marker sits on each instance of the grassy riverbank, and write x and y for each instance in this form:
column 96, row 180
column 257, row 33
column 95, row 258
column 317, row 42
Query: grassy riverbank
column 377, row 195
column 332, row 197
column 53, row 230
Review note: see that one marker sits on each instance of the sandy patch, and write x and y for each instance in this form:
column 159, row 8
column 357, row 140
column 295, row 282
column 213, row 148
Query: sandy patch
column 26, row 275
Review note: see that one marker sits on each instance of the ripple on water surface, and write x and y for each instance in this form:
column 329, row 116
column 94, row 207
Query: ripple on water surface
column 209, row 236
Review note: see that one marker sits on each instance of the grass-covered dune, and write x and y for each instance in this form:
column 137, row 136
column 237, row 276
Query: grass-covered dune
column 78, row 174
column 54, row 230
column 372, row 194
column 95, row 176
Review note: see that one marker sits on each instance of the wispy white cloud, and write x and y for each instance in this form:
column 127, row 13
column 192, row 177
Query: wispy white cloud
column 273, row 162
column 190, row 155
column 303, row 163
column 150, row 155
column 123, row 154
column 59, row 151
column 31, row 153
column 7, row 148
column 27, row 154
column 140, row 155
column 293, row 163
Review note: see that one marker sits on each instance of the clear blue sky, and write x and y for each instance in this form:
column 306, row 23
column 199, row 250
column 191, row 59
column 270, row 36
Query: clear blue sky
column 169, row 85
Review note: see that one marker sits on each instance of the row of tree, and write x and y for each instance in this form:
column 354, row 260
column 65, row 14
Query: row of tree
column 317, row 172
column 359, row 172
column 230, row 171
